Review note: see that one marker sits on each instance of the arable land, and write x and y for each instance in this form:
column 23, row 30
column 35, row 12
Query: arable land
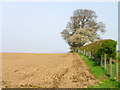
column 55, row 70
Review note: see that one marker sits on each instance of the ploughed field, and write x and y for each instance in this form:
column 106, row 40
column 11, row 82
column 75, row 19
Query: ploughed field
column 25, row 70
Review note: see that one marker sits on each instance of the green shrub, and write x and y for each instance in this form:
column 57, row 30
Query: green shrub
column 99, row 48
column 107, row 47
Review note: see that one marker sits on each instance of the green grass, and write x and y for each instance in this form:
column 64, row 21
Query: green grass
column 99, row 74
column 113, row 70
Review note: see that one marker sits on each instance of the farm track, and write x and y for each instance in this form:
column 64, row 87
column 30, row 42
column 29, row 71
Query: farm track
column 45, row 71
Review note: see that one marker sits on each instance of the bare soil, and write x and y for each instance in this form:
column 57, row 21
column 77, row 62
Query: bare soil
column 25, row 70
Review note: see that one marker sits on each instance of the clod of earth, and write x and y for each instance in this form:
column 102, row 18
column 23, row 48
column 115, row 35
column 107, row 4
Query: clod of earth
column 45, row 70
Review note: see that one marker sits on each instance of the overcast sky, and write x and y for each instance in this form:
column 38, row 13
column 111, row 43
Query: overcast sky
column 36, row 27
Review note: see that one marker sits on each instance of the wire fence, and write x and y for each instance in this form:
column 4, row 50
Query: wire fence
column 111, row 66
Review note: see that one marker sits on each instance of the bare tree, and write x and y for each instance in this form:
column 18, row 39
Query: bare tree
column 82, row 28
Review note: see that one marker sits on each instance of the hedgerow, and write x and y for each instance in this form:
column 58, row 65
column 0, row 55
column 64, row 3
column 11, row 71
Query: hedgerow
column 99, row 48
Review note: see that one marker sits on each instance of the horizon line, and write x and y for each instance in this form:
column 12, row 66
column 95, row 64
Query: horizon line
column 35, row 52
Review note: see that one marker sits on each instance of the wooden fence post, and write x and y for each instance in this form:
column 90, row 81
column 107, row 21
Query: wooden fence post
column 84, row 51
column 117, row 66
column 91, row 53
column 117, row 70
column 110, row 67
column 105, row 61
column 101, row 61
column 87, row 53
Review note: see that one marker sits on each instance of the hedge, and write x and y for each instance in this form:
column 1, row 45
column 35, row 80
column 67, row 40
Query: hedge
column 99, row 48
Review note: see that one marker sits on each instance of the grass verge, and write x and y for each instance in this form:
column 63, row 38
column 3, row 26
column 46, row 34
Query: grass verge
column 99, row 74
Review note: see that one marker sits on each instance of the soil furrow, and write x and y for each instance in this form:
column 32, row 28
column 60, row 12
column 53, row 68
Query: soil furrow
column 45, row 71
